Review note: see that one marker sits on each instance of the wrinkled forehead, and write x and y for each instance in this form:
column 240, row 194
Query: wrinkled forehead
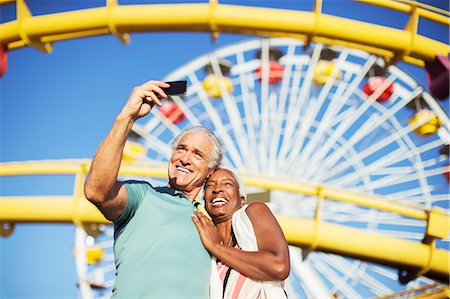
column 199, row 141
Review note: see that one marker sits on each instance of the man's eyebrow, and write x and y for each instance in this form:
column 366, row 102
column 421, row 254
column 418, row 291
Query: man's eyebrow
column 197, row 151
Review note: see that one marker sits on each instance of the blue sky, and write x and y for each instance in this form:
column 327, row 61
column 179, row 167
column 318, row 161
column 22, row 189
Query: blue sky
column 61, row 105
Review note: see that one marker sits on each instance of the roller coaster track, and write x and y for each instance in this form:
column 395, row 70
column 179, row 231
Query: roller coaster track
column 121, row 20
column 310, row 234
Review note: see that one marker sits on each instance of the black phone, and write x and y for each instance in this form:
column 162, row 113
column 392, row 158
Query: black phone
column 176, row 88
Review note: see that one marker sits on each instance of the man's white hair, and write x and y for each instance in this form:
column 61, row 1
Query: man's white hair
column 216, row 159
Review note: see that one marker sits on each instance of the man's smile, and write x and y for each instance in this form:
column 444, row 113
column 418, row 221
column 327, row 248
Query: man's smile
column 183, row 170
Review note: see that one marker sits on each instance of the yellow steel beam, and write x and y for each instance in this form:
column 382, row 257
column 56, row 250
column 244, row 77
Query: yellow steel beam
column 328, row 237
column 430, row 291
column 42, row 167
column 311, row 234
column 159, row 170
column 71, row 167
column 44, row 209
column 425, row 11
column 367, row 246
column 370, row 201
column 222, row 18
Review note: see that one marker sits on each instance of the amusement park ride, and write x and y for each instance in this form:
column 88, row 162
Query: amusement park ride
column 347, row 149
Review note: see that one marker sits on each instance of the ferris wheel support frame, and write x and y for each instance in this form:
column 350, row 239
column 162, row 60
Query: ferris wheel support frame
column 119, row 20
column 411, row 257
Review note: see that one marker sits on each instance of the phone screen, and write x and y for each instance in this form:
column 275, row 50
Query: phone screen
column 176, row 88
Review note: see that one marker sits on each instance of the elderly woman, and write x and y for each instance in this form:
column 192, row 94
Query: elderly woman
column 251, row 253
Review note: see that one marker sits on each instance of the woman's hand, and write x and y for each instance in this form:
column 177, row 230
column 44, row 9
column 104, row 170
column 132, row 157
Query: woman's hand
column 208, row 231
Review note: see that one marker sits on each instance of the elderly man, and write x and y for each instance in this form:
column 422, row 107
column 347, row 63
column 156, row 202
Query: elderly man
column 158, row 252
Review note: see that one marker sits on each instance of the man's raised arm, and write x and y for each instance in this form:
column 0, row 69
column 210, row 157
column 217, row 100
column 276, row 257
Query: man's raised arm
column 102, row 187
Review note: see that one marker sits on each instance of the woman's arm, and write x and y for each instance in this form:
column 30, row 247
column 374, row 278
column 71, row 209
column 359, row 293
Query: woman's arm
column 269, row 263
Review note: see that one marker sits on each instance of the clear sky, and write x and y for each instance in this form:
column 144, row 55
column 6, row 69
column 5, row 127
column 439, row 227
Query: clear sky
column 61, row 105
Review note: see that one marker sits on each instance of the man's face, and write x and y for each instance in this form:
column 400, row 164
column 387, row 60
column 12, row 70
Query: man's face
column 222, row 195
column 188, row 166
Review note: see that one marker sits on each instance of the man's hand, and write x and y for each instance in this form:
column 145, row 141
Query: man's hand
column 143, row 98
column 207, row 230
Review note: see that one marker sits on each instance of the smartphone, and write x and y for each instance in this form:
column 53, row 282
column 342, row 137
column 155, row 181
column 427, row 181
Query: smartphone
column 176, row 88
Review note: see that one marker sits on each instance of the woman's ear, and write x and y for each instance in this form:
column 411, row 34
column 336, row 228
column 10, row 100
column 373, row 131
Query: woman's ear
column 210, row 172
column 243, row 201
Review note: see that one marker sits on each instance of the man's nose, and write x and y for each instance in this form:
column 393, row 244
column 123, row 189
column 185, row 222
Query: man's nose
column 185, row 158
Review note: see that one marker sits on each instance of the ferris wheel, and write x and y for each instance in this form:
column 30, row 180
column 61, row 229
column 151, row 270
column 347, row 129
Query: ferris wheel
column 332, row 116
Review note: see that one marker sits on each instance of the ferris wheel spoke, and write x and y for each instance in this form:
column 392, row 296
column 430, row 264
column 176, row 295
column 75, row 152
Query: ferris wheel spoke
column 157, row 146
column 440, row 200
column 356, row 165
column 249, row 108
column 342, row 126
column 191, row 118
column 301, row 133
column 265, row 104
column 168, row 124
column 402, row 234
column 392, row 180
column 378, row 146
column 232, row 111
column 438, row 111
column 334, row 107
column 312, row 283
column 347, row 214
column 328, row 107
column 412, row 194
column 335, row 279
column 368, row 126
column 274, row 135
column 381, row 144
column 150, row 125
column 297, row 100
column 282, row 108
column 359, row 270
column 392, row 158
column 279, row 99
column 216, row 119
column 349, row 123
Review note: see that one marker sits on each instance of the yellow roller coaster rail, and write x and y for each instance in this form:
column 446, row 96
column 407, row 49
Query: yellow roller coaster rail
column 431, row 291
column 310, row 234
column 311, row 26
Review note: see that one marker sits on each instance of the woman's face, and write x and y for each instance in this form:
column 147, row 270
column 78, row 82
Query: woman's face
column 222, row 195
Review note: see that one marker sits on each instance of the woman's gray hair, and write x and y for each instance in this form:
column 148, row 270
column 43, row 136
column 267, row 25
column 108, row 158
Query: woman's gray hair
column 239, row 181
column 218, row 150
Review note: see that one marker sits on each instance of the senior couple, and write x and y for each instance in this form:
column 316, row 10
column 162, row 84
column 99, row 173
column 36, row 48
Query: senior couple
column 164, row 246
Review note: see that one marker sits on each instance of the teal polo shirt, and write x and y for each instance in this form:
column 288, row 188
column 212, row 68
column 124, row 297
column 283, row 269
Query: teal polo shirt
column 157, row 248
